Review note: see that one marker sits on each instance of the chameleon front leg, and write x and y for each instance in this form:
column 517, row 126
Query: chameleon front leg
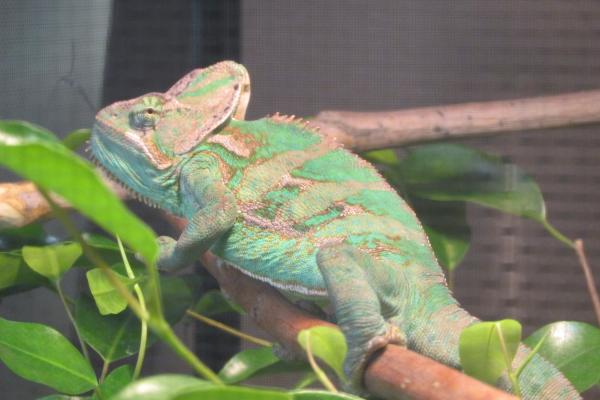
column 352, row 290
column 215, row 213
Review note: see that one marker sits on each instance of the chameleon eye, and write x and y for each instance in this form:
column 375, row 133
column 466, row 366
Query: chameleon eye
column 143, row 120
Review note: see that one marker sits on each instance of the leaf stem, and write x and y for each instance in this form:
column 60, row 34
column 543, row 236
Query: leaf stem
column 140, row 296
column 557, row 235
column 321, row 375
column 63, row 300
column 228, row 329
column 589, row 277
column 104, row 372
column 531, row 354
column 165, row 332
column 514, row 379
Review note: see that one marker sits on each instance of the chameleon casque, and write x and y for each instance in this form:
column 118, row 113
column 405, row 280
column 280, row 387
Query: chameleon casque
column 290, row 207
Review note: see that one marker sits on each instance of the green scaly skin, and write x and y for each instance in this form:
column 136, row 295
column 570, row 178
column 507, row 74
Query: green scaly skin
column 289, row 207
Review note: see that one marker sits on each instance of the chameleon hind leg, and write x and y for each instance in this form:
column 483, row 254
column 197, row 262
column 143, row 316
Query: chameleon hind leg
column 352, row 290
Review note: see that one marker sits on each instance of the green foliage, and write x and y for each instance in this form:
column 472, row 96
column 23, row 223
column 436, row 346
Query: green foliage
column 113, row 337
column 114, row 382
column 77, row 138
column 574, row 348
column 254, row 362
column 107, row 297
column 450, row 172
column 487, row 349
column 182, row 387
column 35, row 154
column 40, row 354
column 328, row 344
column 15, row 275
column 446, row 226
column 52, row 261
column 247, row 363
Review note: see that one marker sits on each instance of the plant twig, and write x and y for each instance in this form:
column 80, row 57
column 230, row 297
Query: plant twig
column 321, row 375
column 363, row 131
column 589, row 277
column 63, row 300
column 140, row 295
column 228, row 329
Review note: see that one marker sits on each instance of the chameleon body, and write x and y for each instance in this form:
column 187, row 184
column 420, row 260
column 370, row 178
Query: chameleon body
column 290, row 207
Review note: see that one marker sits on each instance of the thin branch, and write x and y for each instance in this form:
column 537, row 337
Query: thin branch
column 228, row 329
column 589, row 277
column 361, row 131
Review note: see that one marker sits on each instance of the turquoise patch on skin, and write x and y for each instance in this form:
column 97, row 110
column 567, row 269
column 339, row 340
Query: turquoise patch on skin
column 264, row 254
column 228, row 157
column 336, row 166
column 370, row 240
column 277, row 137
column 235, row 179
column 332, row 213
column 209, row 88
column 383, row 202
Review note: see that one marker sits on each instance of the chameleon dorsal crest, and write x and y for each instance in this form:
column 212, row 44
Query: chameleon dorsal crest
column 216, row 94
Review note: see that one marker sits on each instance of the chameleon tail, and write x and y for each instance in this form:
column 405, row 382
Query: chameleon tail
column 438, row 338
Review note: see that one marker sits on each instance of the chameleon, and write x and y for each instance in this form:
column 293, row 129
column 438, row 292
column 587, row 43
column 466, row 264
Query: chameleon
column 289, row 206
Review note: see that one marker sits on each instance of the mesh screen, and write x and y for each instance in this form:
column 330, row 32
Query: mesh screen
column 393, row 54
column 355, row 55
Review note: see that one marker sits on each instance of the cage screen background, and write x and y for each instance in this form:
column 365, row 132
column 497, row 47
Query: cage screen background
column 62, row 61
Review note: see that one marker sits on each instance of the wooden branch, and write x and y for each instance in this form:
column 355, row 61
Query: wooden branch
column 21, row 203
column 394, row 373
column 361, row 131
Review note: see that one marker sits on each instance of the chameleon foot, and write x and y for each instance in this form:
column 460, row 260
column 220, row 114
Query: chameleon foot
column 359, row 356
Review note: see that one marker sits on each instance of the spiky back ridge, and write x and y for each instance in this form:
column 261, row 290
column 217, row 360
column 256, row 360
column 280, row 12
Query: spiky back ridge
column 298, row 191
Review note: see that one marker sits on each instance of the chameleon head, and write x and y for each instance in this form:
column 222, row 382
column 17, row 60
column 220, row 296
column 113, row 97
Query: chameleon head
column 140, row 140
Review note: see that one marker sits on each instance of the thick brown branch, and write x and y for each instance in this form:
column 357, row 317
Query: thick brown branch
column 363, row 131
column 394, row 373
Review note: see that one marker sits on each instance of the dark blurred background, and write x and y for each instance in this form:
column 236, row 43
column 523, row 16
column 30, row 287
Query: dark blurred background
column 61, row 61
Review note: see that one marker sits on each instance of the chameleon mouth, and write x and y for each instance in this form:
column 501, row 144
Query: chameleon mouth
column 105, row 171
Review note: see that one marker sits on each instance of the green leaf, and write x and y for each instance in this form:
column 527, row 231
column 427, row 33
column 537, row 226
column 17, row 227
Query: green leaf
column 328, row 344
column 15, row 275
column 247, row 363
column 26, row 131
column 385, row 157
column 446, row 226
column 214, row 302
column 32, row 234
column 322, row 395
column 114, row 382
column 75, row 139
column 40, row 354
column 36, row 156
column 574, row 348
column 211, row 392
column 100, row 242
column 160, row 387
column 481, row 352
column 450, row 172
column 178, row 294
column 52, row 261
column 113, row 337
column 118, row 336
column 108, row 299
